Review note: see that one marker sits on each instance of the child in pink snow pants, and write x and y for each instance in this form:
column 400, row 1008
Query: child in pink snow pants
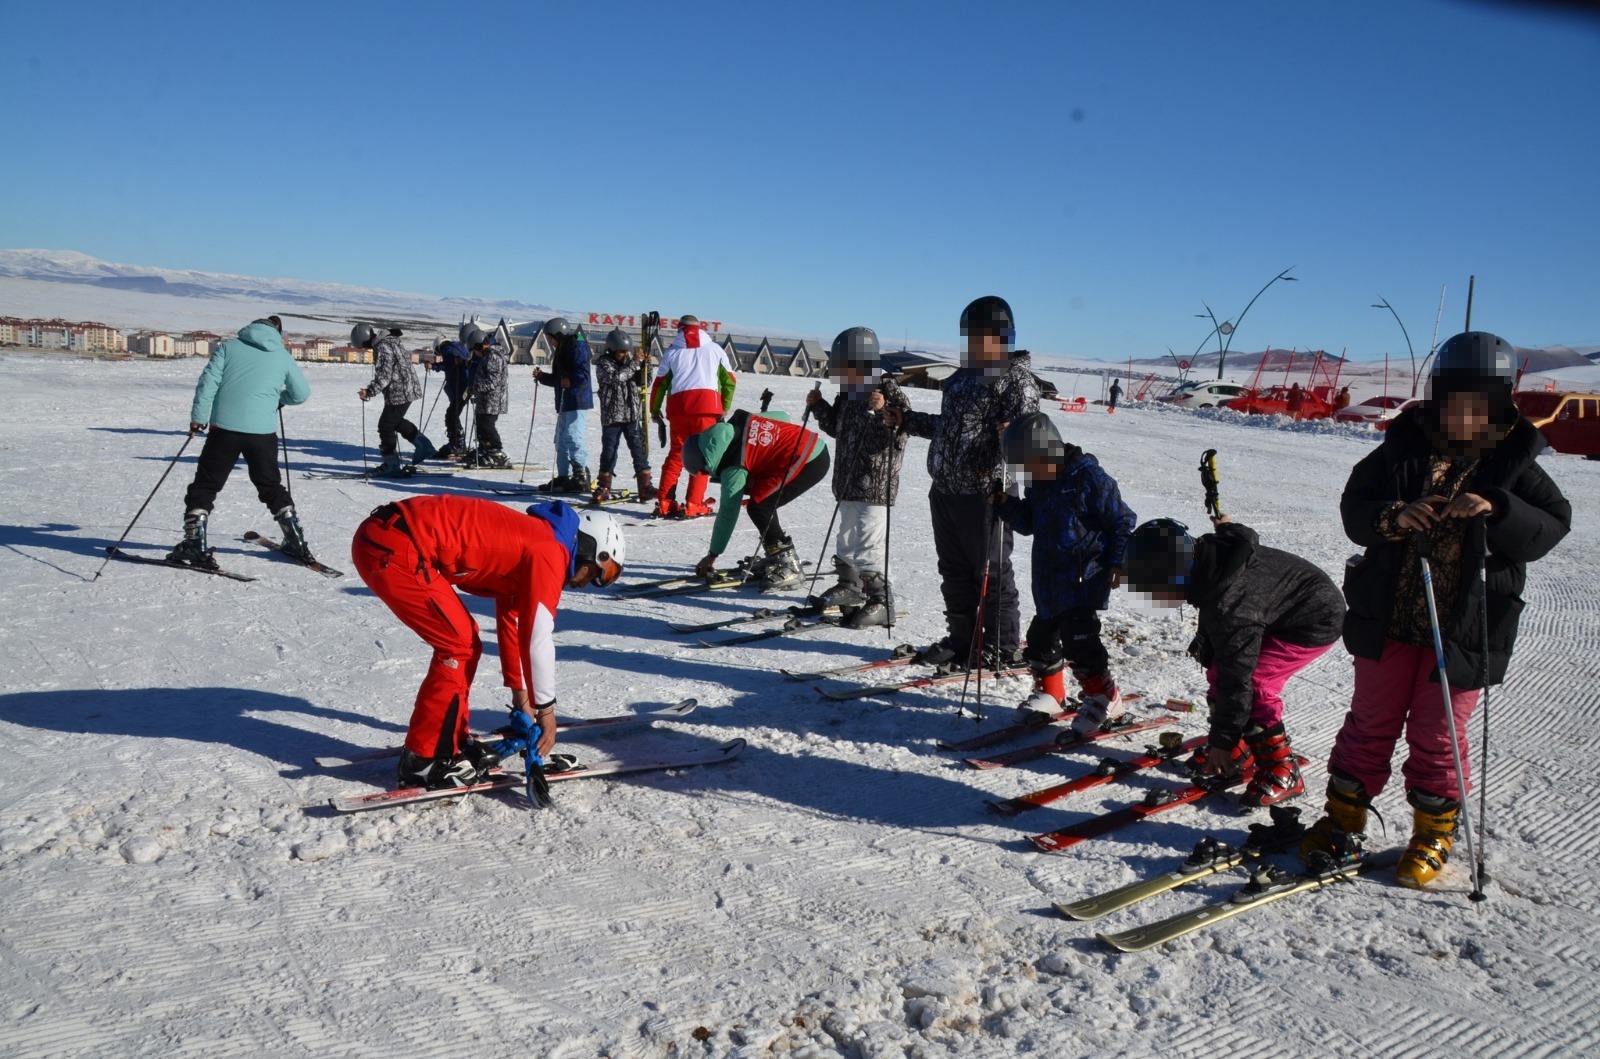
column 1460, row 470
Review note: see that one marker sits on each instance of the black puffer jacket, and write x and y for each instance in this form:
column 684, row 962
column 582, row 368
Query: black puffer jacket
column 866, row 462
column 964, row 457
column 1530, row 517
column 1245, row 592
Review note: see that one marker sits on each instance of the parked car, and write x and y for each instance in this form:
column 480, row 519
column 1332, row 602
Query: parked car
column 1373, row 410
column 1570, row 422
column 1383, row 424
column 1203, row 394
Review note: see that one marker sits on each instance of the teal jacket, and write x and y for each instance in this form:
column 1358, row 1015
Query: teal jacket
column 246, row 381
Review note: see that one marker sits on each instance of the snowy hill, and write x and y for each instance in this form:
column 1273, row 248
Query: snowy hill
column 175, row 885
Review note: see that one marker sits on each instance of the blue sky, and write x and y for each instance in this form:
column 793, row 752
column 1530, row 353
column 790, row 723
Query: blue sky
column 807, row 167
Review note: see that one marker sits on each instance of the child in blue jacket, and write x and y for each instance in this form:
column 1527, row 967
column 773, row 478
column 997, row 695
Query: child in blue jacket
column 1080, row 528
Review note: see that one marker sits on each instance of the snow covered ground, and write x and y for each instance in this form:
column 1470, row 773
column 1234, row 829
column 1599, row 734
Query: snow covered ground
column 173, row 884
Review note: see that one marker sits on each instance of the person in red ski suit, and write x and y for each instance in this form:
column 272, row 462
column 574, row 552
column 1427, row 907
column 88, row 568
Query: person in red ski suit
column 696, row 382
column 415, row 553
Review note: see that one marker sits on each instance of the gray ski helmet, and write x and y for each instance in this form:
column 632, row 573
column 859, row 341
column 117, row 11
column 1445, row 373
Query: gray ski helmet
column 557, row 327
column 1032, row 437
column 990, row 314
column 619, row 341
column 856, row 346
column 476, row 337
column 363, row 335
column 1159, row 557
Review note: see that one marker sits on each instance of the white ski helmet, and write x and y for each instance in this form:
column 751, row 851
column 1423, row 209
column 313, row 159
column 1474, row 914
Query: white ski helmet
column 600, row 541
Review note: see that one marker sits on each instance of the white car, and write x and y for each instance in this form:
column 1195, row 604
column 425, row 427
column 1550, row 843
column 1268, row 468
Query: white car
column 1373, row 410
column 1204, row 394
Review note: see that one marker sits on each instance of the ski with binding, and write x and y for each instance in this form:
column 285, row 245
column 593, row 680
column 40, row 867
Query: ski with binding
column 904, row 655
column 1108, row 771
column 939, row 677
column 1067, row 741
column 312, row 564
column 129, row 557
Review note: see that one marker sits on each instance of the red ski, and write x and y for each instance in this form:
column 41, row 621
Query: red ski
column 1067, row 741
column 1108, row 771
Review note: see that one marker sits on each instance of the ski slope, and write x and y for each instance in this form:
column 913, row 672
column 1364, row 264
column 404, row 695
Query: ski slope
column 173, row 883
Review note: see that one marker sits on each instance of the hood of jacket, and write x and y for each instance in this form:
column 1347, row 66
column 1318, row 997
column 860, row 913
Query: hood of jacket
column 564, row 521
column 262, row 336
column 1218, row 558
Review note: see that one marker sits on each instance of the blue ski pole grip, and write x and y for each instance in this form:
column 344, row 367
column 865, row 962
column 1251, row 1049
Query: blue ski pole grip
column 538, row 788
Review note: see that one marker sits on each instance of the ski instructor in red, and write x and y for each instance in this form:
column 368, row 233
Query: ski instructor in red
column 697, row 383
column 415, row 553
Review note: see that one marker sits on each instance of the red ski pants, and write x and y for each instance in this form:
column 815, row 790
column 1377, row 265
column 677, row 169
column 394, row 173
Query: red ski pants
column 1397, row 694
column 684, row 426
column 1278, row 662
column 386, row 558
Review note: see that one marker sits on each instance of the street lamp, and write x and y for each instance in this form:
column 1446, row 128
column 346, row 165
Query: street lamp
column 1383, row 303
column 1229, row 328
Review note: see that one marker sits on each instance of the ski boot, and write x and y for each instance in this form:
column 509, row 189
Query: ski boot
column 782, row 568
column 846, row 591
column 1049, row 693
column 1239, row 759
column 1101, row 704
column 667, row 507
column 952, row 651
column 494, row 459
column 436, row 773
column 1345, row 814
column 451, row 451
column 879, row 607
column 581, row 481
column 391, row 467
column 294, row 538
column 192, row 550
column 602, row 488
column 1433, row 833
column 699, row 509
column 422, row 449
column 1277, row 774
column 647, row 488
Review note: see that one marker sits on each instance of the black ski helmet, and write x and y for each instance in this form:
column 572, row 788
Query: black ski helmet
column 990, row 314
column 1031, row 437
column 619, row 341
column 557, row 327
column 362, row 336
column 857, row 347
column 1475, row 361
column 1160, row 557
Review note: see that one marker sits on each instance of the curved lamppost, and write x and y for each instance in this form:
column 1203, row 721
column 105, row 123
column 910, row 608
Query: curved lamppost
column 1383, row 303
column 1230, row 328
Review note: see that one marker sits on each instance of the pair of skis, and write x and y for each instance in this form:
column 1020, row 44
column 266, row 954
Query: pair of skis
column 590, row 725
column 250, row 536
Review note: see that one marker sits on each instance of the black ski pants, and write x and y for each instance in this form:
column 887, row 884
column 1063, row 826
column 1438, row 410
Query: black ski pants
column 966, row 535
column 764, row 516
column 218, row 456
column 393, row 421
column 1072, row 637
column 452, row 419
column 488, row 433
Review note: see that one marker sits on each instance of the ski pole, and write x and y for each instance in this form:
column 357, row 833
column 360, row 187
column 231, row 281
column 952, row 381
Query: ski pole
column 364, row 469
column 283, row 441
column 171, row 464
column 1483, row 675
column 1463, row 818
column 975, row 645
column 523, row 477
column 437, row 393
column 849, row 474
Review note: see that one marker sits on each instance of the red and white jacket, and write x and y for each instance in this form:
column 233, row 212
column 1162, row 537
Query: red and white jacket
column 694, row 376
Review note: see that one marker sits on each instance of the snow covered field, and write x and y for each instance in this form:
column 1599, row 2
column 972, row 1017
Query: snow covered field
column 172, row 884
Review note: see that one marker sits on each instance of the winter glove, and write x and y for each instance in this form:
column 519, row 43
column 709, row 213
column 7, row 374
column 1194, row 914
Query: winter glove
column 706, row 567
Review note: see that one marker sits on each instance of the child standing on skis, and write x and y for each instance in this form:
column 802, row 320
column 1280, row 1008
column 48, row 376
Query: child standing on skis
column 994, row 387
column 394, row 377
column 866, row 476
column 491, row 398
column 1459, row 470
column 1264, row 616
column 1080, row 528
column 619, row 375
